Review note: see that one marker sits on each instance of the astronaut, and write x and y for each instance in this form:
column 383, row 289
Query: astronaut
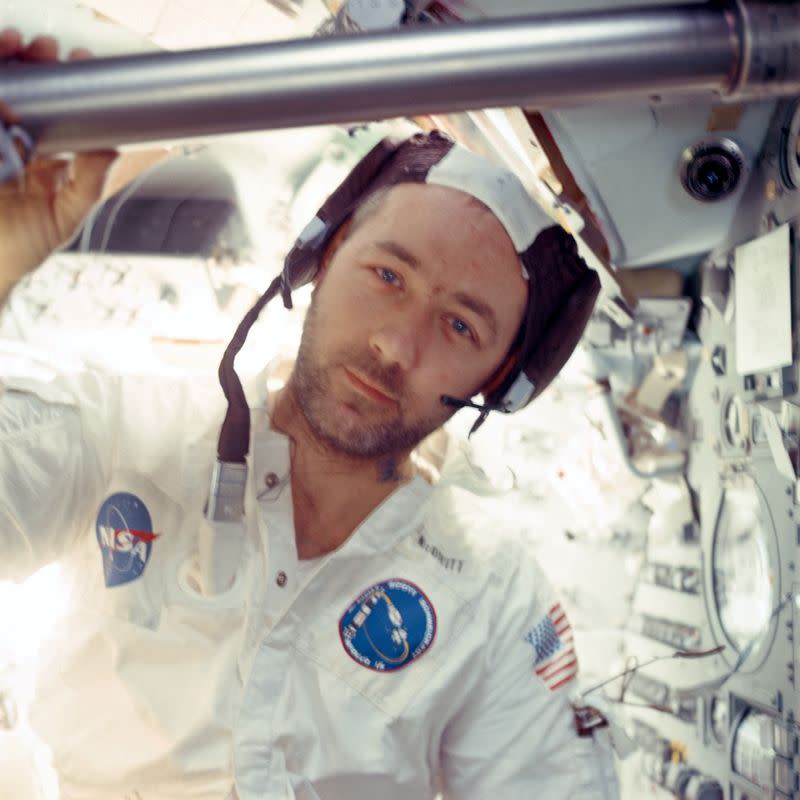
column 338, row 657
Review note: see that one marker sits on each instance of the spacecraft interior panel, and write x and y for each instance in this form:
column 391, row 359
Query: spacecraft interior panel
column 719, row 719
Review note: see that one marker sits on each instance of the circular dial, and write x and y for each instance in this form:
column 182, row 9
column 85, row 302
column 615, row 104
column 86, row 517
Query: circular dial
column 735, row 424
column 744, row 576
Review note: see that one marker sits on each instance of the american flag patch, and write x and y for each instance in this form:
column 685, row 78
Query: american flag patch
column 556, row 662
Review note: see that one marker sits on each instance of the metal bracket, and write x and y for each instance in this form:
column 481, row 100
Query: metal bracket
column 16, row 149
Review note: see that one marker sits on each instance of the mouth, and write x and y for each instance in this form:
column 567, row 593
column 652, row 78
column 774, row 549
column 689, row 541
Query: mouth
column 369, row 390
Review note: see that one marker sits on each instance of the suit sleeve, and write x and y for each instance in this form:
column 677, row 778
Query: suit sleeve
column 516, row 736
column 50, row 472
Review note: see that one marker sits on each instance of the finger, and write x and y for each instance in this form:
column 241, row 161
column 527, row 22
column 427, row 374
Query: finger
column 41, row 168
column 42, row 177
column 80, row 54
column 10, row 43
column 42, row 48
column 47, row 177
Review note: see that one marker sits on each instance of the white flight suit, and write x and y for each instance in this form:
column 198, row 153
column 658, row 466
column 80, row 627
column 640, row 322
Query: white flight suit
column 402, row 664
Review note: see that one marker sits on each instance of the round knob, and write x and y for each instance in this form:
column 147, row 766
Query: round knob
column 701, row 787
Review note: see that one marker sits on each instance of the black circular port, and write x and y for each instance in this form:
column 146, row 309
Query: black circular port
column 712, row 170
column 715, row 175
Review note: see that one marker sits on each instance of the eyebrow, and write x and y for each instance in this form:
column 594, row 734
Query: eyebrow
column 483, row 310
column 398, row 251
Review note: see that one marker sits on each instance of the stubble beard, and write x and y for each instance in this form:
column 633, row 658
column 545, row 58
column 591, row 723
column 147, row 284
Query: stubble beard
column 370, row 437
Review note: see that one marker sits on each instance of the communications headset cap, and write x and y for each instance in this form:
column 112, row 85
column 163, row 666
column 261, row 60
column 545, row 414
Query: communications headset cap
column 561, row 288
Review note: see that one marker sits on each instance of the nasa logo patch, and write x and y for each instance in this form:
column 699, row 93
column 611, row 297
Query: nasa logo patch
column 125, row 535
column 388, row 626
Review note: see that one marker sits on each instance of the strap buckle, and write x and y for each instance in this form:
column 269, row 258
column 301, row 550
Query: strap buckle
column 588, row 719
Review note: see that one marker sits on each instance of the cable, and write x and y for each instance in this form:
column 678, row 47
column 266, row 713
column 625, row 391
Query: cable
column 234, row 436
column 698, row 689
column 632, row 670
column 455, row 402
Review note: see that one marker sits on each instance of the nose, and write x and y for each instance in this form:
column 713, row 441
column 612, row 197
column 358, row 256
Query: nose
column 397, row 341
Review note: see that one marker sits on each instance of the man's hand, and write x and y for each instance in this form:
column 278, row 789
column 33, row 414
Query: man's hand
column 43, row 207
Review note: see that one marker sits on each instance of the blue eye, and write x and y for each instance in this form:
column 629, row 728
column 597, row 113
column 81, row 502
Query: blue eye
column 387, row 276
column 461, row 327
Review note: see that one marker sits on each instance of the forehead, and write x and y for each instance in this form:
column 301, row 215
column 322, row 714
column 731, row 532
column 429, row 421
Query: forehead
column 427, row 199
column 445, row 228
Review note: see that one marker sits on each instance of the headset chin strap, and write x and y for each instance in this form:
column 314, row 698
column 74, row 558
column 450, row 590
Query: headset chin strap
column 456, row 402
column 234, row 436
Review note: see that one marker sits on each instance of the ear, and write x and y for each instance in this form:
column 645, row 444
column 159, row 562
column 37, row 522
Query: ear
column 331, row 248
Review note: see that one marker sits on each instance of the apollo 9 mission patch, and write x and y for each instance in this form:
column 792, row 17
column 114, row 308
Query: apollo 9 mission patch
column 388, row 626
column 125, row 535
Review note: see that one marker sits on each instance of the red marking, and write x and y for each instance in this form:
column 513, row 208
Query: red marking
column 553, row 669
column 564, row 682
column 145, row 536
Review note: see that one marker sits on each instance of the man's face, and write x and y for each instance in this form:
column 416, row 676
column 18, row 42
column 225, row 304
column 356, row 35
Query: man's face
column 423, row 298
